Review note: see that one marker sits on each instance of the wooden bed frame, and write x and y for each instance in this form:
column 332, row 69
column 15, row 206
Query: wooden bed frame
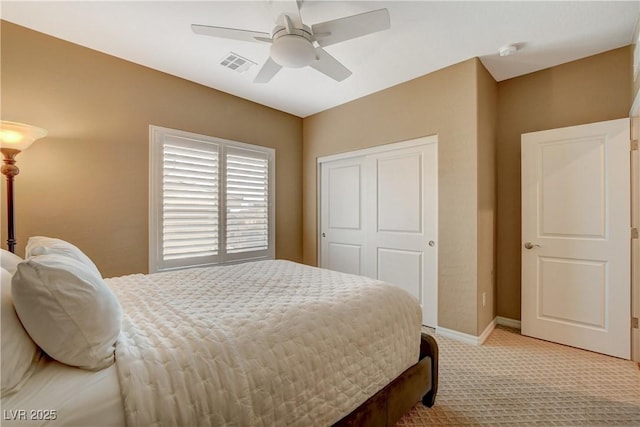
column 387, row 406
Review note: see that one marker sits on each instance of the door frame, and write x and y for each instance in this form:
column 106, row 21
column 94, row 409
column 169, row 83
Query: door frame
column 634, row 114
column 410, row 143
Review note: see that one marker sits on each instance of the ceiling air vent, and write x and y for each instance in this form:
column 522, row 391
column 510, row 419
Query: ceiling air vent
column 236, row 62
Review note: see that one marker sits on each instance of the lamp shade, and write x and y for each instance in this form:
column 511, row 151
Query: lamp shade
column 19, row 136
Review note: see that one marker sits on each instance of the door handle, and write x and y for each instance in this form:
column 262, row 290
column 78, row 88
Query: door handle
column 530, row 245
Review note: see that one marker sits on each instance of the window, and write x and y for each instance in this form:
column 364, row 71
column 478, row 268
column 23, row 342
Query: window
column 211, row 200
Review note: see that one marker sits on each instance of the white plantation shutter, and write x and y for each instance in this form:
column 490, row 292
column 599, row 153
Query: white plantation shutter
column 189, row 202
column 211, row 200
column 247, row 201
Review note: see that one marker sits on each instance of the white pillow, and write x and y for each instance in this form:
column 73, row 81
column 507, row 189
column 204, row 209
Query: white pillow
column 19, row 352
column 9, row 261
column 68, row 310
column 40, row 245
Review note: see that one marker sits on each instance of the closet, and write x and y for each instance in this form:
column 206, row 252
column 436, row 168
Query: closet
column 379, row 216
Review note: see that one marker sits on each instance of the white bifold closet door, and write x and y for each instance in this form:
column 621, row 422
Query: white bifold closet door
column 378, row 217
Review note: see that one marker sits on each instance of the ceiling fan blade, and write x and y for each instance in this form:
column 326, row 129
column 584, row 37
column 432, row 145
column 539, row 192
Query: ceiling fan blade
column 268, row 70
column 330, row 66
column 231, row 33
column 350, row 27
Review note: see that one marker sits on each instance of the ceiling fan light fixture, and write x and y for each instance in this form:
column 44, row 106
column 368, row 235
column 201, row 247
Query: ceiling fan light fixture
column 293, row 51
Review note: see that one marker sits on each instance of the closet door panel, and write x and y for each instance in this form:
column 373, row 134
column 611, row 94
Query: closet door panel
column 341, row 217
column 401, row 207
column 399, row 195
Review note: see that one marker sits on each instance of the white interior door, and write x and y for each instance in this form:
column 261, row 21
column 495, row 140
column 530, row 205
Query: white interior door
column 402, row 207
column 341, row 210
column 576, row 236
column 378, row 217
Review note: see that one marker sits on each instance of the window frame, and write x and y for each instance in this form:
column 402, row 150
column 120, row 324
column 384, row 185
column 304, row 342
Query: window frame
column 158, row 137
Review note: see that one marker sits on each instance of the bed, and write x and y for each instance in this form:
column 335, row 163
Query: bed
column 257, row 344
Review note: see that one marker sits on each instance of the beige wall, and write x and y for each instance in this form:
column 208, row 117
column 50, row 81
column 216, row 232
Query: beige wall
column 487, row 202
column 442, row 103
column 87, row 182
column 593, row 89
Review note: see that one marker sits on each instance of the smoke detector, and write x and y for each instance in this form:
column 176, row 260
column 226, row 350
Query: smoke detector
column 508, row 49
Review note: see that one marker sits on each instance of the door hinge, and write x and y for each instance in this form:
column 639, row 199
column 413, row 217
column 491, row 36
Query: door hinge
column 634, row 322
column 634, row 233
column 634, row 145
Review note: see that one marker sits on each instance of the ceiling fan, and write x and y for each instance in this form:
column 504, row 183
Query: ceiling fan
column 296, row 45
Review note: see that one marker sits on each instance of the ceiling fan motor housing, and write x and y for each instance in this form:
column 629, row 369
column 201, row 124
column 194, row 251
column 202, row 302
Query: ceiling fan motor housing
column 294, row 48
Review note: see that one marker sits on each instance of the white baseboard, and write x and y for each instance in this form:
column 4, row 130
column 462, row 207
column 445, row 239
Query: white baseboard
column 466, row 338
column 458, row 336
column 510, row 323
column 487, row 331
column 479, row 340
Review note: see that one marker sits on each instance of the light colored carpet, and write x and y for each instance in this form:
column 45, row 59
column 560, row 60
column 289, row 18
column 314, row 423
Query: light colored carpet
column 516, row 380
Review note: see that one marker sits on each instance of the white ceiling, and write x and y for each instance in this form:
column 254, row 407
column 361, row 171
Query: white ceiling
column 424, row 36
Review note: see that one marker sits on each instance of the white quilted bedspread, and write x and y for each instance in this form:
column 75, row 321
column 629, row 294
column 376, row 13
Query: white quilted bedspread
column 259, row 344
